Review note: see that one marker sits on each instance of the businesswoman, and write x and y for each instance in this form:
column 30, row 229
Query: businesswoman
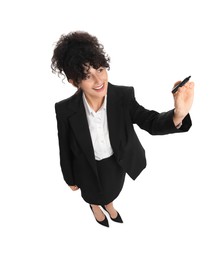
column 97, row 141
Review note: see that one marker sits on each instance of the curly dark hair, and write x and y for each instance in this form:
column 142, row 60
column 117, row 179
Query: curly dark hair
column 75, row 52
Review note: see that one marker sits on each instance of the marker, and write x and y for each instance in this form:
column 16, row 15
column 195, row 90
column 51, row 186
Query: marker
column 181, row 84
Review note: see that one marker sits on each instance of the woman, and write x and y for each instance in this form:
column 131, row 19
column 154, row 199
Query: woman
column 97, row 141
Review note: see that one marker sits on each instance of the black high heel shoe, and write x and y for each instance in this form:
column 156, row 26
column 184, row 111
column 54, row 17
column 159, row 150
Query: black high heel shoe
column 103, row 222
column 117, row 219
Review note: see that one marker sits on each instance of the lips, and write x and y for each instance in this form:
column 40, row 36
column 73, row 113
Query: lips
column 99, row 88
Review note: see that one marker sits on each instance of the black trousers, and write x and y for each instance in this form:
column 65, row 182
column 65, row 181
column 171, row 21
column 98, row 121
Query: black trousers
column 109, row 185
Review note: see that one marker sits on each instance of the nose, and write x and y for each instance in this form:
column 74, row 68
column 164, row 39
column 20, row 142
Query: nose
column 97, row 79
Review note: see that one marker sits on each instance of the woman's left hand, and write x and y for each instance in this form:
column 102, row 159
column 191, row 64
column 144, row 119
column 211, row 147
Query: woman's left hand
column 74, row 187
column 183, row 100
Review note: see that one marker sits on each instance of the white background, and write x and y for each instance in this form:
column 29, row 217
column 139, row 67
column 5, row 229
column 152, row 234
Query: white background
column 169, row 211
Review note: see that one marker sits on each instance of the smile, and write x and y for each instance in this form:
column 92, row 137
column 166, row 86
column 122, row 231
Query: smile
column 99, row 88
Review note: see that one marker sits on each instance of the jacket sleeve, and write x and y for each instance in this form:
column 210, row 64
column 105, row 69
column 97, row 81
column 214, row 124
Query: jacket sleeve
column 153, row 122
column 64, row 148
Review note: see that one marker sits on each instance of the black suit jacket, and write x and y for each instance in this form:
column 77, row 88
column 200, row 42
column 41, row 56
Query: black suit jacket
column 76, row 150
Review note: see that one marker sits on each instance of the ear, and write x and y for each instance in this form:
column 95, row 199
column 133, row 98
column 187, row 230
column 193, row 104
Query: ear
column 71, row 81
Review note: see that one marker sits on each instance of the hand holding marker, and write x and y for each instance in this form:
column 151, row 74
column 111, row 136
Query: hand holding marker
column 180, row 84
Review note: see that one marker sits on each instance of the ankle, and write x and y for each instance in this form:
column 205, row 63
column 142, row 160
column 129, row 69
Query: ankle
column 95, row 207
column 109, row 206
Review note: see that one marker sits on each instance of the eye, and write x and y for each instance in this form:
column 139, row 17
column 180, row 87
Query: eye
column 100, row 69
column 88, row 76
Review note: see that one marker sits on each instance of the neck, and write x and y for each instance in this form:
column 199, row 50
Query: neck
column 95, row 103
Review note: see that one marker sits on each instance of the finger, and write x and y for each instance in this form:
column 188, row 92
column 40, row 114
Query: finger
column 176, row 83
column 189, row 84
column 180, row 91
column 74, row 187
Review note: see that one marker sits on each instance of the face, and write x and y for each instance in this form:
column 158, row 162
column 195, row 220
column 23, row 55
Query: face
column 95, row 84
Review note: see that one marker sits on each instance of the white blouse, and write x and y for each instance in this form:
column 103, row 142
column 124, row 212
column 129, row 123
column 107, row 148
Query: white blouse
column 99, row 131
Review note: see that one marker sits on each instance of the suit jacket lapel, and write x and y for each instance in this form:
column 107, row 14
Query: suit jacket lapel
column 114, row 117
column 79, row 124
